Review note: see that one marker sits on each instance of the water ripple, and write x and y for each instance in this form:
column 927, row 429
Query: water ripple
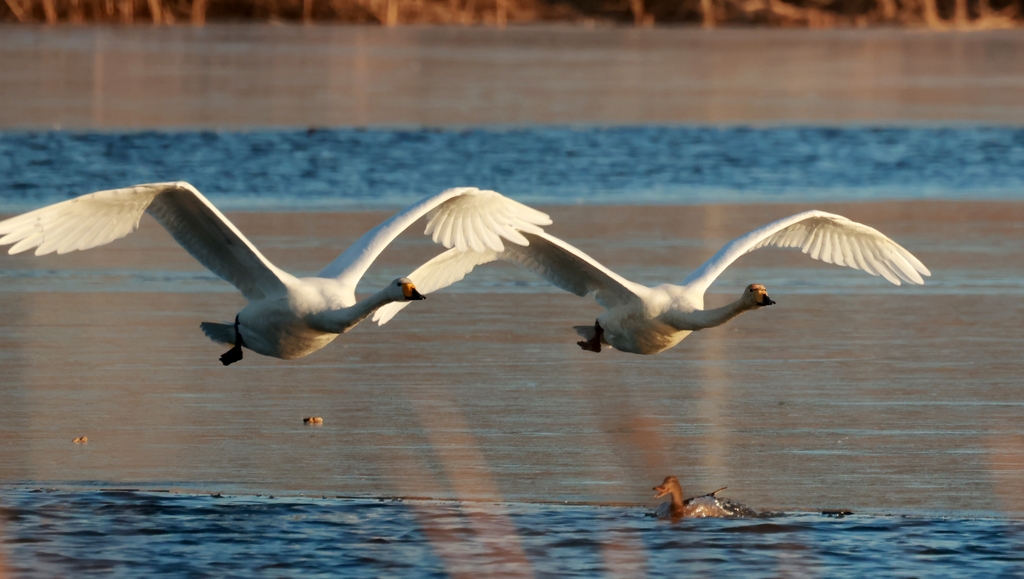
column 342, row 168
column 83, row 533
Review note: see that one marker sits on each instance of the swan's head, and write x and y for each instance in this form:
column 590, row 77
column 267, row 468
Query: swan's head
column 668, row 486
column 756, row 296
column 405, row 290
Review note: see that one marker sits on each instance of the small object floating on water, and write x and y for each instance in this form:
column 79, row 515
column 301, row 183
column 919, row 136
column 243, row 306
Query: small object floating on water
column 81, row 440
column 708, row 505
column 837, row 513
column 313, row 420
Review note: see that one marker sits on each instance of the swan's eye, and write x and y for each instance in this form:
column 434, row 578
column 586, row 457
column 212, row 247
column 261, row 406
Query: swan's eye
column 751, row 290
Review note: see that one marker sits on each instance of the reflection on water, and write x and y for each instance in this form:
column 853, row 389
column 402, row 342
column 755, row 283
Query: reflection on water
column 127, row 533
column 849, row 393
column 844, row 395
column 260, row 75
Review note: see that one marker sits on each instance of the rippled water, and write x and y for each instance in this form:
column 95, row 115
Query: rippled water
column 903, row 404
column 146, row 534
column 528, row 457
column 345, row 168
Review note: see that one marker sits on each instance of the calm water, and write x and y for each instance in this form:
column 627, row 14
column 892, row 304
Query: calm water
column 104, row 77
column 145, row 534
column 849, row 393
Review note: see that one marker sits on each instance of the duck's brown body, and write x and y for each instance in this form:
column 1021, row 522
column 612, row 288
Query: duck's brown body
column 708, row 505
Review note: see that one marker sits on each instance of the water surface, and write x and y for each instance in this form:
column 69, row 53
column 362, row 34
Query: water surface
column 348, row 168
column 158, row 534
column 476, row 407
column 850, row 393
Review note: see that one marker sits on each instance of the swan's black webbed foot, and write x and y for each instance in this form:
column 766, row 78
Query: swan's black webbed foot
column 231, row 356
column 593, row 344
column 235, row 353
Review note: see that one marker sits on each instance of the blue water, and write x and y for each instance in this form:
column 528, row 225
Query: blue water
column 149, row 534
column 74, row 533
column 342, row 168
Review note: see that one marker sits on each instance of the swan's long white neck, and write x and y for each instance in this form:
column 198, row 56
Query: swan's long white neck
column 701, row 319
column 342, row 320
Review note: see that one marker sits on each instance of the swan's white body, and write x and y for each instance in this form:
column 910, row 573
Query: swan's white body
column 648, row 320
column 287, row 317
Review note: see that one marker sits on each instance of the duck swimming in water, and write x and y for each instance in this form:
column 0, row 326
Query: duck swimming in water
column 708, row 505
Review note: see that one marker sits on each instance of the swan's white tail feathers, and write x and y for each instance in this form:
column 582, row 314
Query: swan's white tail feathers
column 220, row 333
column 586, row 332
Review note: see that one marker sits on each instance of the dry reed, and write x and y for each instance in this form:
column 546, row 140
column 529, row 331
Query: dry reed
column 934, row 14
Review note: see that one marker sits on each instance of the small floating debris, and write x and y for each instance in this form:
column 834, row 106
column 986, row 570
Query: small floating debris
column 81, row 440
column 837, row 513
column 313, row 420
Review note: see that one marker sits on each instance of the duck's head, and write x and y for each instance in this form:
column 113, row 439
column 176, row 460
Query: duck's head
column 404, row 290
column 756, row 296
column 668, row 486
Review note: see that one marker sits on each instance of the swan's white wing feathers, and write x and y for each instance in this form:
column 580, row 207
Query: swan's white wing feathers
column 438, row 273
column 216, row 243
column 80, row 223
column 478, row 220
column 102, row 217
column 561, row 264
column 568, row 268
column 466, row 218
column 823, row 236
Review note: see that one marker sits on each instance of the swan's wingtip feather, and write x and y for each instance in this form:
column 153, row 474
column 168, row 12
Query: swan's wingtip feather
column 514, row 236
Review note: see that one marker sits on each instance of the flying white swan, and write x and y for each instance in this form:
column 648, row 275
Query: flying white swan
column 287, row 317
column 648, row 320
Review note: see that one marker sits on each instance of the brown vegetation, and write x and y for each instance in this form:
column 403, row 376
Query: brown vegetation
column 936, row 14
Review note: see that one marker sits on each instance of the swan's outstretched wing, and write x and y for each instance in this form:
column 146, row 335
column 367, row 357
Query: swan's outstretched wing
column 825, row 236
column 465, row 218
column 438, row 273
column 568, row 268
column 99, row 218
column 563, row 265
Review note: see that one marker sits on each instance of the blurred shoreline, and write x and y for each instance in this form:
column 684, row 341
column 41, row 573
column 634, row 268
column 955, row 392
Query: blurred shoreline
column 931, row 14
column 258, row 75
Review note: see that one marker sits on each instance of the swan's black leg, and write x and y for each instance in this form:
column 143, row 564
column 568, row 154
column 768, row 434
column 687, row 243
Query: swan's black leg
column 593, row 344
column 235, row 353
